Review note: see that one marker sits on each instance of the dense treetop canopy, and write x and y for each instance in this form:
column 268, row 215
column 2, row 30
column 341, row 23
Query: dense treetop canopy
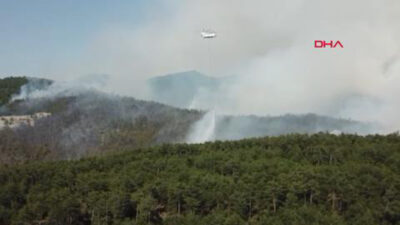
column 291, row 179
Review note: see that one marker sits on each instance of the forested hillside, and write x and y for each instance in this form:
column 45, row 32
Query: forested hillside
column 89, row 122
column 294, row 179
column 92, row 123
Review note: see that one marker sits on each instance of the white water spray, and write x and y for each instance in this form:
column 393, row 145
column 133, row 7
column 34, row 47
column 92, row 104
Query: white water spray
column 204, row 129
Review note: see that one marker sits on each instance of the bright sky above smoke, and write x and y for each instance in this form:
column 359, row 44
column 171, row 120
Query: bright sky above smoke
column 45, row 37
column 268, row 43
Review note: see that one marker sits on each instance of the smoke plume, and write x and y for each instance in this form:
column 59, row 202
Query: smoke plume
column 269, row 48
column 268, row 45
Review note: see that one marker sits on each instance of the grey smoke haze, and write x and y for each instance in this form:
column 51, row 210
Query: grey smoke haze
column 269, row 46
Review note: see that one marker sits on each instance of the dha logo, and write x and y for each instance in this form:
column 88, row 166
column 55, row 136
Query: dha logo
column 323, row 44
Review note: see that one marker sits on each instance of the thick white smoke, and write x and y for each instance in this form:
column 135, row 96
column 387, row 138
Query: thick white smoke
column 268, row 44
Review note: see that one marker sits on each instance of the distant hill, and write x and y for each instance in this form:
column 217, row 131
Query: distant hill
column 179, row 89
column 239, row 127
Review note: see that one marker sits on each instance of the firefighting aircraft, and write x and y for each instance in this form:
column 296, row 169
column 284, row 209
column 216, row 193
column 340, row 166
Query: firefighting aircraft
column 208, row 34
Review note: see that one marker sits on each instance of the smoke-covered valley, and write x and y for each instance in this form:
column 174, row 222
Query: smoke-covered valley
column 81, row 120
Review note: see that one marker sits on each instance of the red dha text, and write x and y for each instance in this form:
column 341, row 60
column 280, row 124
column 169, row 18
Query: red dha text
column 324, row 44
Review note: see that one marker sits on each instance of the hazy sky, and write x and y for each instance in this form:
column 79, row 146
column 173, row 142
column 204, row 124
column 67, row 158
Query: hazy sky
column 135, row 39
column 44, row 37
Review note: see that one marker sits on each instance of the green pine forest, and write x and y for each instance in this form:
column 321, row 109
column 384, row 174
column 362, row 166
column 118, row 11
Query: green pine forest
column 290, row 179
